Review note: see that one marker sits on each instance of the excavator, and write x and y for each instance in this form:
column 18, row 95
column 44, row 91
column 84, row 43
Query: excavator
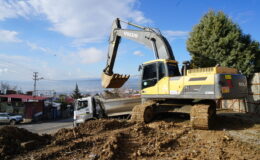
column 164, row 88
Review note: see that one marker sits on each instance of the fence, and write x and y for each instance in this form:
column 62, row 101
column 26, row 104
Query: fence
column 253, row 99
column 252, row 103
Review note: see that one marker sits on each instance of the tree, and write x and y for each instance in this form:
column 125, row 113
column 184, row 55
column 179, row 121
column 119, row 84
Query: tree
column 76, row 93
column 217, row 40
column 6, row 86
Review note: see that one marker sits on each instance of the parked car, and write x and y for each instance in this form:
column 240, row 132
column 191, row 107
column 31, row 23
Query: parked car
column 10, row 118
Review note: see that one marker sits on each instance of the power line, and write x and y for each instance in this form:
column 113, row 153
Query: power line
column 18, row 64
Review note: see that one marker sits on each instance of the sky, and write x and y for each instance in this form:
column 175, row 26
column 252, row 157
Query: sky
column 68, row 39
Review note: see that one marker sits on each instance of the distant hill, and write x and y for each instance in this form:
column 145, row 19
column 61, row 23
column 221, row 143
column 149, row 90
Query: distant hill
column 92, row 85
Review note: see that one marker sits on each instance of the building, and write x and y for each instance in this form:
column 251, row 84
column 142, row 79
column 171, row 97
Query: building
column 29, row 106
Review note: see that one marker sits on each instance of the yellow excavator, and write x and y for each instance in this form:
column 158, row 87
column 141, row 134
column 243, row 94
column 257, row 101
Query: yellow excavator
column 164, row 88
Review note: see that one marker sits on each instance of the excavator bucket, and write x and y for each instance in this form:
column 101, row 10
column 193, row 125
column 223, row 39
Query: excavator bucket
column 114, row 80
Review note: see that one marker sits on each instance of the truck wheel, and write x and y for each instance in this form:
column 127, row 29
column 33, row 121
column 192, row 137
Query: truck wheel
column 101, row 114
column 148, row 115
column 12, row 122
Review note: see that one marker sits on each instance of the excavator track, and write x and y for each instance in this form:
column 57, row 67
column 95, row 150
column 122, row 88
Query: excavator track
column 143, row 112
column 202, row 116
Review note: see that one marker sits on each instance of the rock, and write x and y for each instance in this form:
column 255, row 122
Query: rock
column 93, row 156
column 139, row 153
column 29, row 145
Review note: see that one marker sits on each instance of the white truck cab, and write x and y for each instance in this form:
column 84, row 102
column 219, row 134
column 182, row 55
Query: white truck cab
column 83, row 109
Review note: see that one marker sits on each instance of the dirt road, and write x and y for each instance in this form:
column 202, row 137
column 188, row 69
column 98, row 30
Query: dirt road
column 48, row 127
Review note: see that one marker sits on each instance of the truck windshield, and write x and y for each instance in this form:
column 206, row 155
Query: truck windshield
column 173, row 69
column 82, row 104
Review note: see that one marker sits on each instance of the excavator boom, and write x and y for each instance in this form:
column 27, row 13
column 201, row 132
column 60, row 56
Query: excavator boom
column 146, row 36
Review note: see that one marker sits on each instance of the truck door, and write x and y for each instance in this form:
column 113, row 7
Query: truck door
column 83, row 110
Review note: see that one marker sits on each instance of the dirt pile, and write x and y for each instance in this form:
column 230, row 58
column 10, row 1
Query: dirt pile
column 15, row 140
column 168, row 138
column 87, row 129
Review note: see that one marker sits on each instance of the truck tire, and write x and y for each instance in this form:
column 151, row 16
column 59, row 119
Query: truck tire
column 148, row 114
column 101, row 114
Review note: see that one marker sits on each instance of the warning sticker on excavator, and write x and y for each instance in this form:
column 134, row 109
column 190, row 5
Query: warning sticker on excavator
column 228, row 77
column 225, row 89
column 173, row 92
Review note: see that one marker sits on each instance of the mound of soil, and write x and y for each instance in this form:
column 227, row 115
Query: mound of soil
column 89, row 128
column 168, row 138
column 15, row 140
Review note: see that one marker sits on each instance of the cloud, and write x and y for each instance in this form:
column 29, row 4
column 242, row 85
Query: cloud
column 244, row 17
column 9, row 36
column 3, row 70
column 13, row 9
column 84, row 56
column 86, row 21
column 15, row 67
column 138, row 53
column 34, row 46
column 175, row 34
column 22, row 68
column 90, row 55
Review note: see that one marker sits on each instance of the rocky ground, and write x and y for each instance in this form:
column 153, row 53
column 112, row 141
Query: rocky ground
column 236, row 136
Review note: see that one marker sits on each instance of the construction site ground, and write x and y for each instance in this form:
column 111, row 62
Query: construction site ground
column 235, row 136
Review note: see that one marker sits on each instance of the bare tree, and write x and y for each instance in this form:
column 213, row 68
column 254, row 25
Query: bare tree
column 6, row 86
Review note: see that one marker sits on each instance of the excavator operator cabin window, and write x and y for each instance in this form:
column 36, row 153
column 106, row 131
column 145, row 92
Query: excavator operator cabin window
column 173, row 69
column 149, row 75
column 162, row 71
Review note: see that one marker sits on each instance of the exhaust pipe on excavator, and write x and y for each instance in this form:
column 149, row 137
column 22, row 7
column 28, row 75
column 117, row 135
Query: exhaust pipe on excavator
column 113, row 80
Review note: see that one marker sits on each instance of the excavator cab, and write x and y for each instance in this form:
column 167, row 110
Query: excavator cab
column 155, row 71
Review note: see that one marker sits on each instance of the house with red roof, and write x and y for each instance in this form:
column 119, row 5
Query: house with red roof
column 22, row 98
column 26, row 105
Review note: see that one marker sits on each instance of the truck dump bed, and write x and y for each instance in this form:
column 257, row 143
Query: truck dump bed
column 119, row 106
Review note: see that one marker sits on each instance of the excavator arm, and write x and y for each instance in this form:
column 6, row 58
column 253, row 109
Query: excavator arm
column 146, row 36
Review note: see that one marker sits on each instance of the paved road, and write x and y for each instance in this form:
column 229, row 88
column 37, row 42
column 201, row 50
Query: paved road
column 48, row 127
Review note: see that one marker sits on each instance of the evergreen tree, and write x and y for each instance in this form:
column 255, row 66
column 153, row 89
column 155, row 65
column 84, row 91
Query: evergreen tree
column 217, row 40
column 76, row 93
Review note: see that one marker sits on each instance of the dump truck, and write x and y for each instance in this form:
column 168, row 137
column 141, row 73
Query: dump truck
column 164, row 88
column 94, row 107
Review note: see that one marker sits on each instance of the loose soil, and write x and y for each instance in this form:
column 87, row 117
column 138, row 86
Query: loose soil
column 15, row 140
column 168, row 137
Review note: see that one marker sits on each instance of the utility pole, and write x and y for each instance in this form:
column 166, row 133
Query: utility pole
column 35, row 78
